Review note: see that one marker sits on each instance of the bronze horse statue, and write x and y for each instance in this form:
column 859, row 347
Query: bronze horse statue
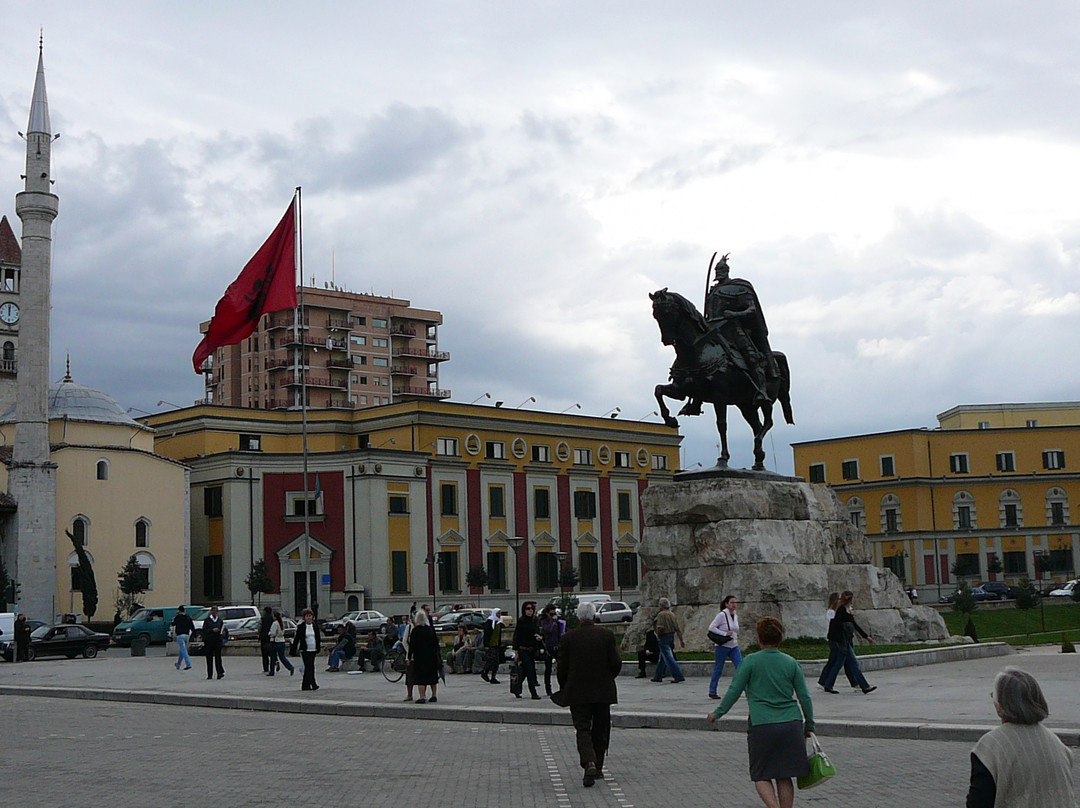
column 705, row 370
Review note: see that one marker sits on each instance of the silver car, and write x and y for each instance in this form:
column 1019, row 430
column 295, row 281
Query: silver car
column 614, row 611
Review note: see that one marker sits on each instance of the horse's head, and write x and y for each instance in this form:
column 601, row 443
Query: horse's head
column 678, row 318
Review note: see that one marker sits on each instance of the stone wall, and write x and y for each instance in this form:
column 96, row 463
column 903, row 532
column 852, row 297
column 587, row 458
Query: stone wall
column 780, row 546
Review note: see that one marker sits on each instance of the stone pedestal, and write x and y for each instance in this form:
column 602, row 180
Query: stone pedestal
column 778, row 544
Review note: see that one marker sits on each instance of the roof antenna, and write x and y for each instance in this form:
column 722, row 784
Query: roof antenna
column 67, row 370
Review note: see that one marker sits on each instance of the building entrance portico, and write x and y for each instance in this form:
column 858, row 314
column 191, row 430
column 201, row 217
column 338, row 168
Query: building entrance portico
column 296, row 586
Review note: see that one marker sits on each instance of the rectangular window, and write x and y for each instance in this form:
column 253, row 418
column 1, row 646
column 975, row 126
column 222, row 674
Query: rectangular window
column 496, row 570
column 856, row 518
column 399, row 503
column 958, row 463
column 380, row 362
column 963, row 517
column 590, row 570
column 895, row 564
column 250, row 443
column 363, row 380
column 1057, row 513
column 447, row 447
column 1054, row 459
column 399, row 572
column 1015, row 563
column 850, row 470
column 378, row 322
column 585, row 504
column 496, row 502
column 1061, row 560
column 547, row 571
column 659, row 462
column 1006, row 461
column 297, row 502
column 541, row 503
column 212, row 576
column 448, row 571
column 359, row 360
column 622, row 460
column 984, row 424
column 379, row 342
column 1010, row 515
column 966, row 564
column 212, row 501
column 76, row 579
column 355, row 339
column 142, row 534
column 541, row 453
column 888, row 466
column 623, row 499
column 582, row 457
column 628, row 570
column 358, row 320
column 448, row 499
column 891, row 520
column 817, row 472
column 1031, row 423
column 495, row 450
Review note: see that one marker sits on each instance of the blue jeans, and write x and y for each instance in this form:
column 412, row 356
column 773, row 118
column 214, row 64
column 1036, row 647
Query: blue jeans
column 279, row 653
column 844, row 657
column 723, row 652
column 667, row 663
column 181, row 640
column 336, row 659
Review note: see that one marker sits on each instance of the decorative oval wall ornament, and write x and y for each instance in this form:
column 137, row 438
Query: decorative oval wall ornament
column 518, row 448
column 419, row 471
column 378, row 468
column 603, row 454
column 362, row 468
column 472, row 444
column 642, row 457
column 240, row 472
column 562, row 451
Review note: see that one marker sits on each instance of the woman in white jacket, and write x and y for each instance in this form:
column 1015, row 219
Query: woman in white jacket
column 725, row 624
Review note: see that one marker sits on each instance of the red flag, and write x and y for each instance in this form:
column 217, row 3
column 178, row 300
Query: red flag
column 266, row 284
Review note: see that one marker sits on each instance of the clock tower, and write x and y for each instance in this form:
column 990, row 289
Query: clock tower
column 31, row 474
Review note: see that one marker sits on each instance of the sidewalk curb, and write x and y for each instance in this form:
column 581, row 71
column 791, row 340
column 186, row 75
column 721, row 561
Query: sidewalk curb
column 899, row 730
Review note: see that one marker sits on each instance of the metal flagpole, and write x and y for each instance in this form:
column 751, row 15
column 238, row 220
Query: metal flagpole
column 301, row 366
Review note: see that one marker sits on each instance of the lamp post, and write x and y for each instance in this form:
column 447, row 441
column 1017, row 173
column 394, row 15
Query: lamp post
column 560, row 556
column 516, row 542
column 619, row 572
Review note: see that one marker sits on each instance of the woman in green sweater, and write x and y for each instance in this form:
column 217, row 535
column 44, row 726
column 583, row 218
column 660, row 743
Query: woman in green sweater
column 773, row 681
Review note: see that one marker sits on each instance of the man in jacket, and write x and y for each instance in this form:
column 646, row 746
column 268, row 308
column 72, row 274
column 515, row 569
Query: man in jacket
column 183, row 626
column 667, row 629
column 589, row 661
column 264, row 640
column 213, row 636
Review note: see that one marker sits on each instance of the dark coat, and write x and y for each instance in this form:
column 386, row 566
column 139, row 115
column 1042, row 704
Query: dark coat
column 424, row 655
column 211, row 638
column 526, row 633
column 22, row 632
column 264, row 626
column 589, row 661
column 298, row 639
column 842, row 627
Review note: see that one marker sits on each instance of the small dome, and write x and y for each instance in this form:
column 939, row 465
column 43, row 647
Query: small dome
column 76, row 402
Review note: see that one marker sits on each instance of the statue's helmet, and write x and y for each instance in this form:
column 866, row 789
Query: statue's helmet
column 722, row 267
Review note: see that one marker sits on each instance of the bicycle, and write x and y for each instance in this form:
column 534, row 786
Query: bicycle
column 394, row 664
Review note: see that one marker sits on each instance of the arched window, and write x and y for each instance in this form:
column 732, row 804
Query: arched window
column 142, row 532
column 856, row 512
column 1010, row 509
column 963, row 510
column 9, row 351
column 103, row 469
column 146, row 563
column 1057, row 507
column 890, row 514
column 352, row 603
column 80, row 530
column 73, row 568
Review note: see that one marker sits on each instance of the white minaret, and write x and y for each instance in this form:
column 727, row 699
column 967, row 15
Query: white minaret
column 32, row 477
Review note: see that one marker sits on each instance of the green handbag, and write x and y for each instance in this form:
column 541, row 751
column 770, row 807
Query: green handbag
column 821, row 768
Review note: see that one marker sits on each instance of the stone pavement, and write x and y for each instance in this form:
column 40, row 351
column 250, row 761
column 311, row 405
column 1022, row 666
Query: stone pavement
column 60, row 752
column 948, row 701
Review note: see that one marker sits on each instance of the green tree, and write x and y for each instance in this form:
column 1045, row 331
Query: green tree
column 569, row 577
column 477, row 577
column 132, row 581
column 964, row 600
column 969, row 629
column 86, row 578
column 258, row 581
column 1027, row 596
column 5, row 582
column 994, row 566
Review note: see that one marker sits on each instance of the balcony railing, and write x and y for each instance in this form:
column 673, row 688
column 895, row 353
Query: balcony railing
column 338, row 325
column 421, row 391
column 8, row 365
column 402, row 331
column 293, row 380
column 286, row 321
column 420, row 353
column 403, row 370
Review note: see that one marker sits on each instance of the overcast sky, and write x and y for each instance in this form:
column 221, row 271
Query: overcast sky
column 900, row 183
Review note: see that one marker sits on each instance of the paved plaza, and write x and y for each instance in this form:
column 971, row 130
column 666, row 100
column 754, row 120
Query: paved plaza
column 906, row 744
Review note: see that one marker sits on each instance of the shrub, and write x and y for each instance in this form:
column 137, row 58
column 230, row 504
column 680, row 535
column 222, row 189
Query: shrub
column 1027, row 596
column 970, row 631
column 1066, row 646
column 964, row 600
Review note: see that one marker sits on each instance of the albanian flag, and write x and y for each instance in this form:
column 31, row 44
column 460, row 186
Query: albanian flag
column 266, row 284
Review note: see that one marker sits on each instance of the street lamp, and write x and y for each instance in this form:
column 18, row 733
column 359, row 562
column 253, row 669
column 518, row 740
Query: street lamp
column 516, row 542
column 560, row 556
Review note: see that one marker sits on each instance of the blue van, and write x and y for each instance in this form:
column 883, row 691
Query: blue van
column 152, row 623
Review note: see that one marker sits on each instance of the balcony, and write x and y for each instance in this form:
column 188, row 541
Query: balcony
column 293, row 380
column 345, row 363
column 292, row 341
column 285, row 321
column 402, row 331
column 336, row 324
column 7, row 365
column 425, row 392
column 421, row 353
column 403, row 370
column 340, row 404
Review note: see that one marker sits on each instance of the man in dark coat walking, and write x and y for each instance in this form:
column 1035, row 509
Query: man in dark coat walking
column 589, row 661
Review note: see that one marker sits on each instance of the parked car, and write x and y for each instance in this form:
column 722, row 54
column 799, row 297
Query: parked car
column 69, row 639
column 1003, row 589
column 364, row 621
column 979, row 592
column 614, row 611
column 470, row 619
column 152, row 623
column 249, row 629
column 1065, row 590
column 446, row 608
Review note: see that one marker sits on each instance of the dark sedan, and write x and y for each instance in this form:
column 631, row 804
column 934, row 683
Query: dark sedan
column 470, row 620
column 68, row 640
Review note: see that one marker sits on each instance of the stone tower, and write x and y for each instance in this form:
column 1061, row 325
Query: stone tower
column 31, row 474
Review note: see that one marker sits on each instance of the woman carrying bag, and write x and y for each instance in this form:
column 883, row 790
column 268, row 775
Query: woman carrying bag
column 724, row 631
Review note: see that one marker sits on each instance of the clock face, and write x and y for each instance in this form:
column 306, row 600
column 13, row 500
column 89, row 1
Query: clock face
column 9, row 313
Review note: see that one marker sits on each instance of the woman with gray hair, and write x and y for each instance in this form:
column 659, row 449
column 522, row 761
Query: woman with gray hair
column 1021, row 763
column 423, row 657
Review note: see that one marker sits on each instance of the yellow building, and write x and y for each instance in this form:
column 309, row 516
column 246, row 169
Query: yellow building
column 405, row 499
column 115, row 496
column 990, row 487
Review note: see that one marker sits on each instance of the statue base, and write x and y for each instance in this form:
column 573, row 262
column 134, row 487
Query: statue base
column 779, row 545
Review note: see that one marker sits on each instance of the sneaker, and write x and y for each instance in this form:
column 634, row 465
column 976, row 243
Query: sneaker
column 713, row 696
column 869, row 689
column 187, row 668
column 590, row 776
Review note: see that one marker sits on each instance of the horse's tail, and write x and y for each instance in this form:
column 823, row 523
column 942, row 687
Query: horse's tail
column 784, row 394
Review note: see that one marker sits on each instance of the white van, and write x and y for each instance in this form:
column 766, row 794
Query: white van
column 7, row 626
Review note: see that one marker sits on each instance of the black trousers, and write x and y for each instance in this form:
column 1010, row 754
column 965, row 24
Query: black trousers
column 492, row 660
column 592, row 723
column 213, row 658
column 528, row 668
column 269, row 655
column 549, row 663
column 308, row 659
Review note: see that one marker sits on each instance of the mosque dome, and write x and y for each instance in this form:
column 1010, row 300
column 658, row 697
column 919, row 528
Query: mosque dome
column 71, row 401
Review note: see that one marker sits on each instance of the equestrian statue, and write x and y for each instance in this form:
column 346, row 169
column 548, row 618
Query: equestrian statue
column 723, row 358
